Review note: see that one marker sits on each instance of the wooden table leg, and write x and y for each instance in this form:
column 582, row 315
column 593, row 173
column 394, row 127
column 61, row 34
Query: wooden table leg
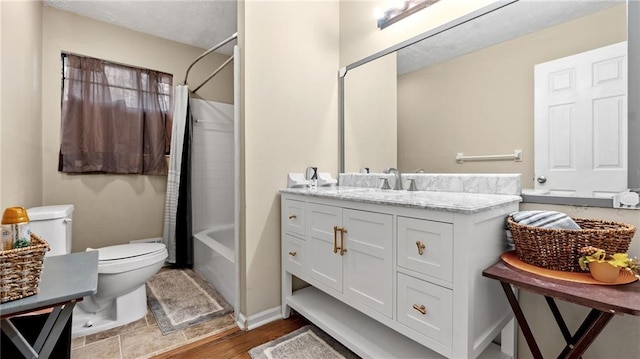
column 522, row 321
column 587, row 333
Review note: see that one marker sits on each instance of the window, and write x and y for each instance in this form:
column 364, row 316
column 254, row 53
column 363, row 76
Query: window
column 115, row 118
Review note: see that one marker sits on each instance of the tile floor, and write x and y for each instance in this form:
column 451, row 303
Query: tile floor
column 143, row 339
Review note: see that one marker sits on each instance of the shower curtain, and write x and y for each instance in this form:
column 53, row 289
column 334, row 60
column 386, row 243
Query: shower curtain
column 177, row 234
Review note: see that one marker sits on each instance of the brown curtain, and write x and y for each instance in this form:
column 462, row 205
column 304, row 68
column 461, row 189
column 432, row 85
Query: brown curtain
column 115, row 118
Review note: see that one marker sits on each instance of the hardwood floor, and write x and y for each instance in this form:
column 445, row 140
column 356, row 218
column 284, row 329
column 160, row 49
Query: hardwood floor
column 235, row 344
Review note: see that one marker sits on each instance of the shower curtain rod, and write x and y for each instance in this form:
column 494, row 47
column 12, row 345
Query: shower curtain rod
column 213, row 74
column 231, row 38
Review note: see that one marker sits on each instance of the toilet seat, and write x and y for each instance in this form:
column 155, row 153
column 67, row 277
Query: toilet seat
column 127, row 257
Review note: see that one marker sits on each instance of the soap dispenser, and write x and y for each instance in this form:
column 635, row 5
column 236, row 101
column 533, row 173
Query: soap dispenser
column 312, row 177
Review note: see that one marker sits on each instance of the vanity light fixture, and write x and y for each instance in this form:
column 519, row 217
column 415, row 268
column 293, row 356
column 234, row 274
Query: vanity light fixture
column 402, row 9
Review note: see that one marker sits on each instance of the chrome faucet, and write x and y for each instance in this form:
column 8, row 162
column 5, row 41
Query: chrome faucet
column 397, row 185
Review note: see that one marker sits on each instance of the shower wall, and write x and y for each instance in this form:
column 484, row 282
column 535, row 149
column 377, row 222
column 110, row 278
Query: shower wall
column 212, row 166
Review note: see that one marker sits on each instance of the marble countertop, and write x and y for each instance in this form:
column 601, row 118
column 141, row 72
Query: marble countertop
column 439, row 201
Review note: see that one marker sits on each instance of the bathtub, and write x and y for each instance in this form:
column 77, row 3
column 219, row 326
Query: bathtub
column 214, row 259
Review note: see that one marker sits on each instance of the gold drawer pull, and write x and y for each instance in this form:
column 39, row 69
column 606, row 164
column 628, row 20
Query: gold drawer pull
column 421, row 308
column 293, row 254
column 335, row 239
column 293, row 216
column 421, row 247
column 343, row 250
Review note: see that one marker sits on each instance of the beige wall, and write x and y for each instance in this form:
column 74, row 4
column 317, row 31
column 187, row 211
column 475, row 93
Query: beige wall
column 290, row 122
column 20, row 108
column 370, row 133
column 111, row 209
column 482, row 103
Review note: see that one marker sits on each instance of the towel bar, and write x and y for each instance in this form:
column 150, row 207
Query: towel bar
column 516, row 156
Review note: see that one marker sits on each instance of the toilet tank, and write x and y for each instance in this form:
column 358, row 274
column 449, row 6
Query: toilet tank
column 53, row 224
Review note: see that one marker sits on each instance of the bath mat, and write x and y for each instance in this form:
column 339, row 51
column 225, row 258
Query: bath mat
column 308, row 342
column 180, row 298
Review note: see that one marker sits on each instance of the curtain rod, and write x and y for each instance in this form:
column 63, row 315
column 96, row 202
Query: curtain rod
column 231, row 38
column 213, row 74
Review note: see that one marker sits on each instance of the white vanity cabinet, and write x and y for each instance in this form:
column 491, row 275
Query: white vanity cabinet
column 396, row 281
column 351, row 254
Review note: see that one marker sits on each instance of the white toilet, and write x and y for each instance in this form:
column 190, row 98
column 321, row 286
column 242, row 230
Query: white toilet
column 122, row 271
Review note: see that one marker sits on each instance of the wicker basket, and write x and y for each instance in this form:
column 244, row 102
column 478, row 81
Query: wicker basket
column 20, row 270
column 557, row 249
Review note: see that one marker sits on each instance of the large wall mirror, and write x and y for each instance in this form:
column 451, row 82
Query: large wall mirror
column 468, row 87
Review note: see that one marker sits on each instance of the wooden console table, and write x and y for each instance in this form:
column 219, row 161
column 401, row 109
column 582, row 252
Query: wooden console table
column 604, row 301
column 65, row 280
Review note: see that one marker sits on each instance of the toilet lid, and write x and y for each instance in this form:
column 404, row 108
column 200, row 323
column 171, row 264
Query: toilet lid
column 122, row 251
column 50, row 212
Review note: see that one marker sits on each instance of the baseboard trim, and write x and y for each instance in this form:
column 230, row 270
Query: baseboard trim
column 241, row 321
column 259, row 319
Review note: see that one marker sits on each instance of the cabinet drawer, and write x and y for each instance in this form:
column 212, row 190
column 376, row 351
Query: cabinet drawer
column 425, row 308
column 426, row 247
column 294, row 218
column 294, row 255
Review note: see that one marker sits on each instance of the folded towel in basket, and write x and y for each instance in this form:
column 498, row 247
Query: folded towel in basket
column 544, row 219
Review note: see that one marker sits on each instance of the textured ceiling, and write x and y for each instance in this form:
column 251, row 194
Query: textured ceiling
column 509, row 22
column 201, row 23
column 205, row 23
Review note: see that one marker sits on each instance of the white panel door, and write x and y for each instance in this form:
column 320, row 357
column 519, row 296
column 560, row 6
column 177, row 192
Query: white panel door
column 581, row 123
column 368, row 267
column 323, row 264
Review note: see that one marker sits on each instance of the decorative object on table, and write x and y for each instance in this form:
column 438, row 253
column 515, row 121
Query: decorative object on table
column 541, row 219
column 606, row 267
column 558, row 248
column 512, row 260
column 15, row 228
column 306, row 342
column 20, row 269
column 180, row 298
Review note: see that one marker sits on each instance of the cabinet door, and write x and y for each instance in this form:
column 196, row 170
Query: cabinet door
column 368, row 267
column 323, row 264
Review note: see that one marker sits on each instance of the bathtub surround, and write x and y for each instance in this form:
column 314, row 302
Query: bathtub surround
column 215, row 259
column 181, row 298
column 213, row 188
column 212, row 164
